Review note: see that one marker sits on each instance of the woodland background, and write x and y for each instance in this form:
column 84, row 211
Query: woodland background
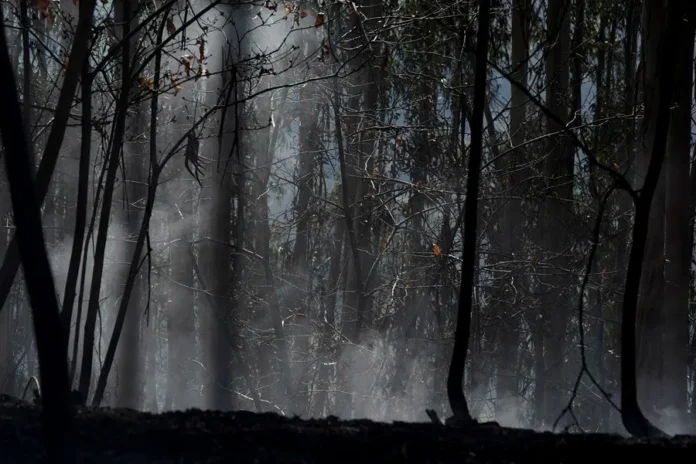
column 259, row 205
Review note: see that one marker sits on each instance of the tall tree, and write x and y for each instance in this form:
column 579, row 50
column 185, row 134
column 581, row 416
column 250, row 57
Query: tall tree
column 659, row 75
column 56, row 410
column 455, row 391
column 558, row 171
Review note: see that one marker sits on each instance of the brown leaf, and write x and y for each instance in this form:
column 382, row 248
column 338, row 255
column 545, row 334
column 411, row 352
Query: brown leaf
column 186, row 61
column 171, row 28
column 177, row 89
column 303, row 14
column 437, row 251
column 201, row 50
column 320, row 20
column 146, row 82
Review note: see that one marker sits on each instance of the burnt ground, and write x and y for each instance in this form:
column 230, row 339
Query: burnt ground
column 193, row 436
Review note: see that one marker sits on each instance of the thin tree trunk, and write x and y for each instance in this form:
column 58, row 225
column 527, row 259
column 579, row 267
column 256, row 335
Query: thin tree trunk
column 78, row 53
column 455, row 391
column 105, row 216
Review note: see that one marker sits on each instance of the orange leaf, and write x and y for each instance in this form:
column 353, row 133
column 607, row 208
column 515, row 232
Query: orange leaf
column 146, row 82
column 437, row 251
column 320, row 20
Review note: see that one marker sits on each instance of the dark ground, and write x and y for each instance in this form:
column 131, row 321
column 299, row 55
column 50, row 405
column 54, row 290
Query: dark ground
column 107, row 436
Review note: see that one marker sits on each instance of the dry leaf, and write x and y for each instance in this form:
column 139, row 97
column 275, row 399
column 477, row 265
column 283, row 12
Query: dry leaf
column 303, row 14
column 437, row 251
column 146, row 82
column 186, row 61
column 201, row 50
column 171, row 28
column 288, row 8
column 177, row 89
column 320, row 20
column 75, row 2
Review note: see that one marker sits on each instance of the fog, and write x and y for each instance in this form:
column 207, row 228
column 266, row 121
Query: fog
column 289, row 185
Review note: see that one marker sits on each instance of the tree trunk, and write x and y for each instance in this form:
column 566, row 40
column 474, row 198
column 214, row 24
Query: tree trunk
column 512, row 221
column 558, row 171
column 181, row 373
column 678, row 248
column 651, row 294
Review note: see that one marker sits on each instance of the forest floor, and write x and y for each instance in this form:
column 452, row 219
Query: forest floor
column 124, row 436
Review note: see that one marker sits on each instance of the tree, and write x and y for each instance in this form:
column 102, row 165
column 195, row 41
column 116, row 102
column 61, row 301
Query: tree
column 56, row 410
column 455, row 392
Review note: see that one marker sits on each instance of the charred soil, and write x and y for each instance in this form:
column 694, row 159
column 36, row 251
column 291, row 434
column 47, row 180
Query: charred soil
column 125, row 436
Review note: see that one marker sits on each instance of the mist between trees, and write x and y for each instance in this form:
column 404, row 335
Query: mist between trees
column 260, row 205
